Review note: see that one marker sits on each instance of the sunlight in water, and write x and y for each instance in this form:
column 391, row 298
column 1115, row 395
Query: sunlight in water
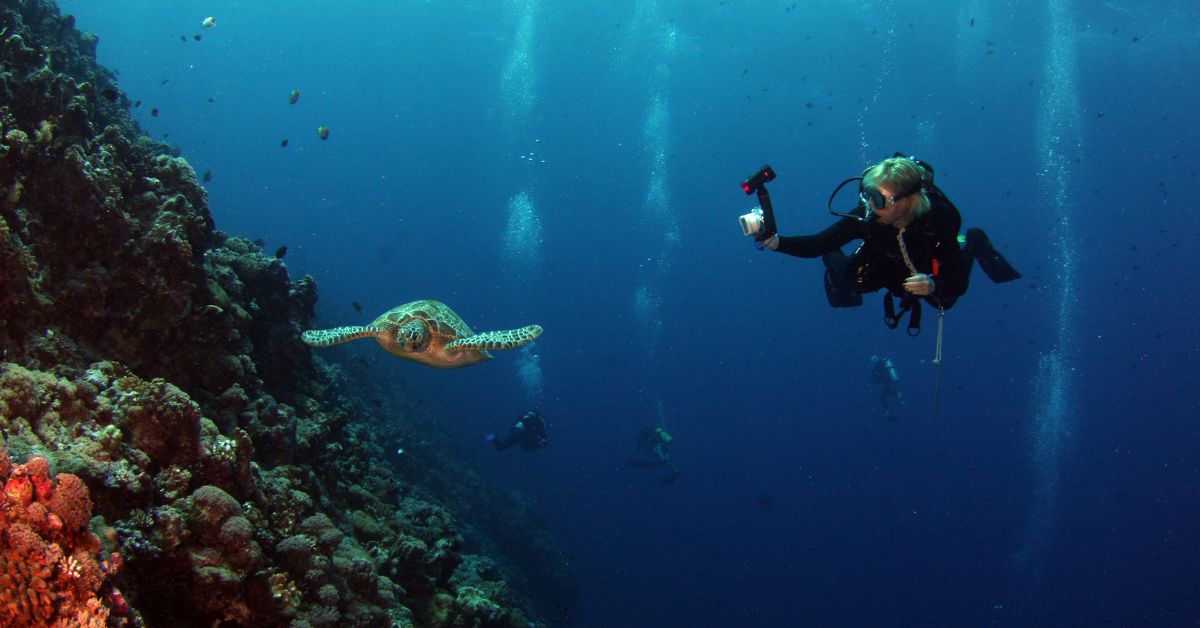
column 646, row 307
column 529, row 369
column 659, row 221
column 523, row 234
column 885, row 69
column 1058, row 146
column 518, row 82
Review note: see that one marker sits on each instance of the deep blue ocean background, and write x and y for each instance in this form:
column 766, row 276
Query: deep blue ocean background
column 576, row 164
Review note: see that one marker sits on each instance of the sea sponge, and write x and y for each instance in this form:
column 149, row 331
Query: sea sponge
column 71, row 502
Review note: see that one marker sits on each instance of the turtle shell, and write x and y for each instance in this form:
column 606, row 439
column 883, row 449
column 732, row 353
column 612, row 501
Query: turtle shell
column 444, row 325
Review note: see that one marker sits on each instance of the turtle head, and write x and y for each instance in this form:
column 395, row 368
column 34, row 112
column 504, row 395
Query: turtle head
column 412, row 337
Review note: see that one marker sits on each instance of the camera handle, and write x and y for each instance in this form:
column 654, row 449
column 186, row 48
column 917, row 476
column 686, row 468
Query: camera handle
column 764, row 201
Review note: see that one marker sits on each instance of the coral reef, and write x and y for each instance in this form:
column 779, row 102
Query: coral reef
column 51, row 572
column 154, row 363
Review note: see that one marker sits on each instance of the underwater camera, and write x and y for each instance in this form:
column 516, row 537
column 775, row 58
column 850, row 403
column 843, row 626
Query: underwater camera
column 760, row 221
column 752, row 222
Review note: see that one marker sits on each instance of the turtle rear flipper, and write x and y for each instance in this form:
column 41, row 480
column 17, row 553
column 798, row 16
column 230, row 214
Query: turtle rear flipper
column 493, row 340
column 338, row 335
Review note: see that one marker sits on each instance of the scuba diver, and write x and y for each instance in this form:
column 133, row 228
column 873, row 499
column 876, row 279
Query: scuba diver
column 651, row 452
column 886, row 383
column 910, row 247
column 529, row 431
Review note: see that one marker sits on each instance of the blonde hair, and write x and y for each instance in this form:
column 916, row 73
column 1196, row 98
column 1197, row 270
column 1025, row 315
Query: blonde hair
column 900, row 174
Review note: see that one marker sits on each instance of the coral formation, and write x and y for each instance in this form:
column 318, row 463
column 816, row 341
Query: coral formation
column 50, row 568
column 154, row 363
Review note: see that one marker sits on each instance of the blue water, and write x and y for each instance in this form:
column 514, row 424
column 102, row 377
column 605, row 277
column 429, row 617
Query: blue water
column 576, row 165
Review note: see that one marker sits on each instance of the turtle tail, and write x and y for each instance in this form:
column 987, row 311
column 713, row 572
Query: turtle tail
column 338, row 335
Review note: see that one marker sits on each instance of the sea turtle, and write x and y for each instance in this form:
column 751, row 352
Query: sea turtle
column 428, row 332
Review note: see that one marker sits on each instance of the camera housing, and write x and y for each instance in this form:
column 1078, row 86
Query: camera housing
column 752, row 222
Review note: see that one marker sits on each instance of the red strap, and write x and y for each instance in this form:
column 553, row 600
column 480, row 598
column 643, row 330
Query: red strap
column 936, row 267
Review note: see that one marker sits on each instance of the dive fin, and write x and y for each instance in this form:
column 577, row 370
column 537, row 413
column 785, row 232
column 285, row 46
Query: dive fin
column 979, row 248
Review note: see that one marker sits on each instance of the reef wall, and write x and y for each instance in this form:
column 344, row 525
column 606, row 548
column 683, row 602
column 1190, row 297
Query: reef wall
column 156, row 361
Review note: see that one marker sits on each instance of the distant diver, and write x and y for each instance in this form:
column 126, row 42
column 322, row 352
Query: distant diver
column 885, row 382
column 651, row 451
column 528, row 431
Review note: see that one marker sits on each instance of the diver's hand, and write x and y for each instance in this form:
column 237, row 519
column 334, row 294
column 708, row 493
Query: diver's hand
column 920, row 284
column 771, row 242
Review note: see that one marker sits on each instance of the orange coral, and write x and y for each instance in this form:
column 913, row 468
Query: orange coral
column 49, row 575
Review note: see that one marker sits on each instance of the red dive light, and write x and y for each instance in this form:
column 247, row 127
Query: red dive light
column 756, row 180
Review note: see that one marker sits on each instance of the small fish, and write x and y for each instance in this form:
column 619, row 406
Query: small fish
column 209, row 22
column 137, row 104
column 109, row 93
column 211, row 99
column 207, row 176
column 280, row 252
column 183, row 38
column 165, row 81
column 154, row 112
column 323, row 132
column 197, row 37
column 294, row 96
column 259, row 241
column 283, row 144
column 972, row 22
column 357, row 307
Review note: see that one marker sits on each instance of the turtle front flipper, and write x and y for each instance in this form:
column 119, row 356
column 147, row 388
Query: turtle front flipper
column 338, row 335
column 494, row 340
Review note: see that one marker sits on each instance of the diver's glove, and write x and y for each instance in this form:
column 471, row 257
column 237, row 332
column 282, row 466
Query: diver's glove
column 770, row 242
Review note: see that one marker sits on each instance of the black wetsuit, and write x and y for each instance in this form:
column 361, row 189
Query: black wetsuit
column 878, row 262
column 529, row 432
